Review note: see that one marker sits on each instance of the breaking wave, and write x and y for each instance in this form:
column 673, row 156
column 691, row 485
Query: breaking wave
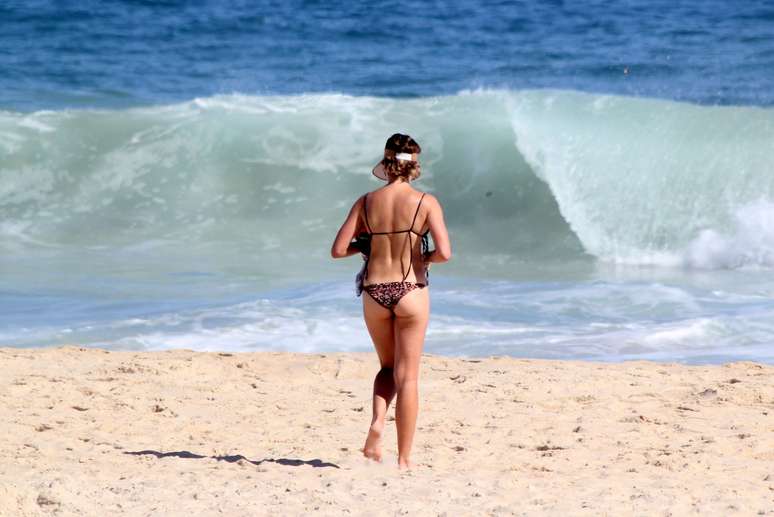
column 523, row 175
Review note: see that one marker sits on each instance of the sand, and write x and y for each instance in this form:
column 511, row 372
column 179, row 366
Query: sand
column 92, row 432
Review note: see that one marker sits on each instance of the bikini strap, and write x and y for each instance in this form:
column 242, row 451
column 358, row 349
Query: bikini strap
column 368, row 228
column 408, row 240
column 417, row 212
column 365, row 213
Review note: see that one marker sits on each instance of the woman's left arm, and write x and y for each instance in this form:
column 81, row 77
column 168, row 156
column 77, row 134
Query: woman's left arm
column 342, row 244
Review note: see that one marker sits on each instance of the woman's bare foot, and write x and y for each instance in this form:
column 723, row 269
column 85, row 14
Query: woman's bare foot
column 373, row 445
column 404, row 464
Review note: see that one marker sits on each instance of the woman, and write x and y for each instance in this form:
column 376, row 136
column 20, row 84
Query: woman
column 391, row 225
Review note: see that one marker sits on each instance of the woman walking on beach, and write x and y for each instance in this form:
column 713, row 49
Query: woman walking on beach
column 389, row 227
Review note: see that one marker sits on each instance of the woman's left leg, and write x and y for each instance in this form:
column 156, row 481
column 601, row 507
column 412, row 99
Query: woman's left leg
column 412, row 313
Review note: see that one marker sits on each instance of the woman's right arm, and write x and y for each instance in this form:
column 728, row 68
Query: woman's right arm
column 342, row 244
column 435, row 222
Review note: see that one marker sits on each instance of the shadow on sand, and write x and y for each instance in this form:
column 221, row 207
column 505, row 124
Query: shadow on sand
column 235, row 458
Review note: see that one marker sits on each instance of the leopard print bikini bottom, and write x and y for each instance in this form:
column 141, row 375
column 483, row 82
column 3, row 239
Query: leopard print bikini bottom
column 388, row 294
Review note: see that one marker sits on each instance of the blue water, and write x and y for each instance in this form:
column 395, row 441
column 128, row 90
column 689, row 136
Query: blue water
column 111, row 53
column 172, row 173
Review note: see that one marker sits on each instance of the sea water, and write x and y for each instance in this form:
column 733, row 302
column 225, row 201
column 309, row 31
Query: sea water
column 172, row 175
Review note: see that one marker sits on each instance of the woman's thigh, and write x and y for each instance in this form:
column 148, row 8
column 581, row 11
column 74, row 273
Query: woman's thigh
column 411, row 317
column 379, row 322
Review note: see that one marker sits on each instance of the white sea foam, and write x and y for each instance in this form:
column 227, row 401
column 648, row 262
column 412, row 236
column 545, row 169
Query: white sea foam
column 749, row 243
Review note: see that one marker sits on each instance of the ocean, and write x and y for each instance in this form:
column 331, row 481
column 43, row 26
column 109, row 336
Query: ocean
column 172, row 174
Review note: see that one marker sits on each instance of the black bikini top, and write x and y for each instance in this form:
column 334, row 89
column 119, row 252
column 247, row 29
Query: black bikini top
column 364, row 240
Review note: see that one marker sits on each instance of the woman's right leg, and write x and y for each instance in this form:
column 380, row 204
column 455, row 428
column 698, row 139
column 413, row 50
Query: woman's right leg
column 379, row 322
column 411, row 317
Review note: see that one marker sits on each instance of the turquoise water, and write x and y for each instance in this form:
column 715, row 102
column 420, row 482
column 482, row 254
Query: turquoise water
column 173, row 176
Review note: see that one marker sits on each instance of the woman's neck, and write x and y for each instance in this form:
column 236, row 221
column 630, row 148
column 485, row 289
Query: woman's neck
column 396, row 179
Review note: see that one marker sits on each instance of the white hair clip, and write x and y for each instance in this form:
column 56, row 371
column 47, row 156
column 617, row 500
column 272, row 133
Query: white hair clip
column 403, row 156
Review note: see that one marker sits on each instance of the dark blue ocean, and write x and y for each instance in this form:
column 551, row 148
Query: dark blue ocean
column 172, row 173
column 116, row 54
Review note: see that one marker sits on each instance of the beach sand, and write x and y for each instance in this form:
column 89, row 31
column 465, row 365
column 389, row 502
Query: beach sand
column 92, row 432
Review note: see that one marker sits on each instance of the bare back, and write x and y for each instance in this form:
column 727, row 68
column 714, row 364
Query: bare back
column 396, row 244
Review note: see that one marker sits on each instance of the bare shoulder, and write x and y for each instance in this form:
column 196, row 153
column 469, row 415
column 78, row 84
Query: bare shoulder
column 359, row 203
column 371, row 194
column 430, row 201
